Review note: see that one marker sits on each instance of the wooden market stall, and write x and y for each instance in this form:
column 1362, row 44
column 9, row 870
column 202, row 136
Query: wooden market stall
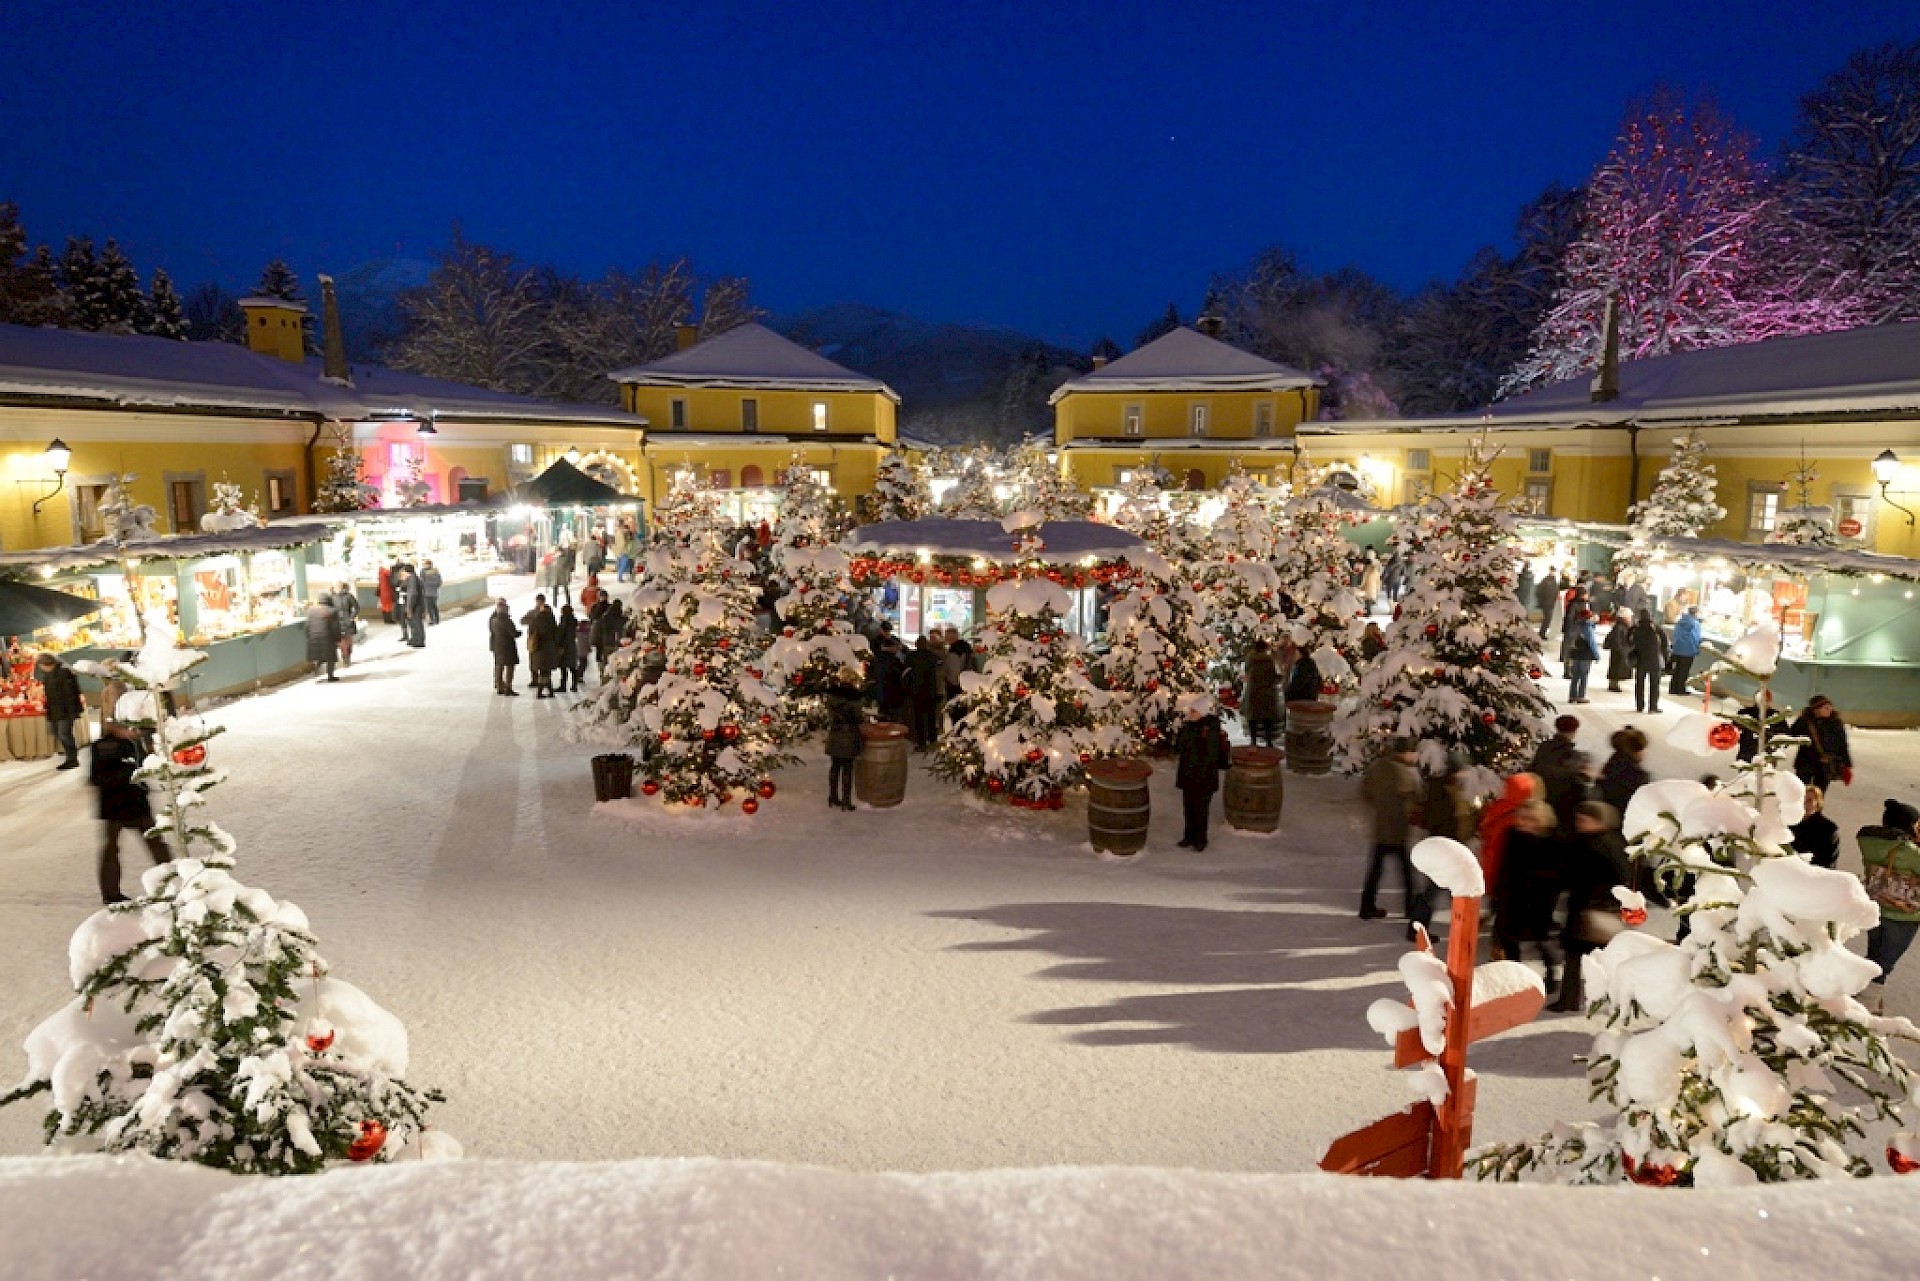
column 461, row 539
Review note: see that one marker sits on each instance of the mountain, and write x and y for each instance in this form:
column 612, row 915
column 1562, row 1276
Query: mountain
column 370, row 302
column 958, row 383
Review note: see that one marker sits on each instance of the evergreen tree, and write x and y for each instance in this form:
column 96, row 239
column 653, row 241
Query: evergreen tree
column 1683, row 503
column 84, row 284
column 1039, row 486
column 1105, row 349
column 124, row 305
column 123, row 519
column 1168, row 322
column 685, row 515
column 229, row 509
column 900, row 489
column 343, row 487
column 166, row 317
column 608, row 718
column 1310, row 560
column 1235, row 578
column 975, row 494
column 278, row 280
column 1158, row 651
column 716, row 720
column 1462, row 665
column 1031, row 719
column 1740, row 1054
column 214, row 315
column 412, row 489
column 1803, row 524
column 1143, row 508
column 206, row 1026
column 29, row 281
column 817, row 636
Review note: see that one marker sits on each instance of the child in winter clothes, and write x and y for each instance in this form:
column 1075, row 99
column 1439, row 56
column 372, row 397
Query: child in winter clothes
column 1816, row 835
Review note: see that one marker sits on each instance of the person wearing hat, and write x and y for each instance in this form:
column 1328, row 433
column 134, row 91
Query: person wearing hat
column 1890, row 853
column 844, row 717
column 1562, row 766
column 1201, row 750
column 60, row 691
column 1260, row 695
column 1391, row 789
column 1824, row 757
column 503, row 640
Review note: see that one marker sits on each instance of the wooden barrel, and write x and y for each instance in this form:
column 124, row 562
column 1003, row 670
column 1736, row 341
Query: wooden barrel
column 1255, row 788
column 1310, row 737
column 880, row 771
column 1117, row 805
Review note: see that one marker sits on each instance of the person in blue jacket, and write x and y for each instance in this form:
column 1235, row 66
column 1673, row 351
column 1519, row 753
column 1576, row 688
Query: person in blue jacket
column 1683, row 647
column 1582, row 648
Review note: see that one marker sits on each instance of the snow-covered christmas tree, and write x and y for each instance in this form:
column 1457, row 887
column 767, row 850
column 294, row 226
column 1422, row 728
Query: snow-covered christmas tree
column 166, row 315
column 817, row 637
column 1310, row 560
column 717, row 722
column 1031, row 718
column 1462, row 666
column 607, row 717
column 1803, row 524
column 343, row 487
column 1682, row 504
column 900, row 489
column 229, row 510
column 1157, row 651
column 1140, row 507
column 1037, row 485
column 206, row 1026
column 412, row 489
column 1234, row 575
column 683, row 517
column 123, row 519
column 977, row 483
column 1742, row 1053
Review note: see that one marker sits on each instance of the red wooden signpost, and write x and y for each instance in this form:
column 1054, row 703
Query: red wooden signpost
column 1426, row 1141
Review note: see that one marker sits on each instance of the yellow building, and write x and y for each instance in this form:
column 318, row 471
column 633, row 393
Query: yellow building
column 183, row 416
column 736, row 408
column 1188, row 402
column 1581, row 450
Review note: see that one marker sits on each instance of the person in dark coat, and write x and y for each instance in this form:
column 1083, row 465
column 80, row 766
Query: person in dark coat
column 565, row 641
column 346, row 604
column 323, row 635
column 1391, row 790
column 1303, row 674
column 1200, row 747
column 1546, row 596
column 844, row 717
column 582, row 642
column 1619, row 647
column 503, row 639
column 1561, row 767
column 543, row 645
column 1649, row 642
column 1816, row 835
column 124, row 804
column 1623, row 775
column 410, row 606
column 1824, row 757
column 1373, row 642
column 924, row 694
column 1260, row 699
column 1596, row 862
column 890, row 678
column 430, row 582
column 1762, row 710
column 1532, row 874
column 61, row 689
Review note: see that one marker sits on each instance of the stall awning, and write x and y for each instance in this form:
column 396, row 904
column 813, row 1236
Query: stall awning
column 52, row 560
column 564, row 485
column 26, row 609
column 1790, row 557
column 1065, row 542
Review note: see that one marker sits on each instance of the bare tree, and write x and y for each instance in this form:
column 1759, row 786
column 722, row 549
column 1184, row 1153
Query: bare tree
column 481, row 318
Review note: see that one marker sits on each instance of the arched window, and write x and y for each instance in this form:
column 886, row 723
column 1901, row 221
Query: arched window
column 751, row 477
column 1196, row 479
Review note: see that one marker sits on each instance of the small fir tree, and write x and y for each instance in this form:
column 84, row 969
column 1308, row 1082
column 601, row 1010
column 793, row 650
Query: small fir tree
column 685, row 515
column 343, row 488
column 205, row 1025
column 1141, row 506
column 412, row 489
column 229, row 509
column 1803, row 524
column 1739, row 1054
column 1310, row 560
column 608, row 717
column 1038, row 485
column 1157, row 651
column 1682, row 504
column 166, row 315
column 124, row 519
column 123, row 304
column 900, row 489
column 817, row 637
column 278, row 280
column 975, row 493
column 1234, row 574
column 85, row 286
column 1462, row 666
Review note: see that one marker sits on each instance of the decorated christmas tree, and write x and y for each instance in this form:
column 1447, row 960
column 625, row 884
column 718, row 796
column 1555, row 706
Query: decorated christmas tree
column 343, row 487
column 817, row 637
column 716, row 721
column 900, row 489
column 1234, row 576
column 1742, row 1053
column 1142, row 507
column 412, row 489
column 1462, row 665
column 685, row 514
column 230, row 510
column 1310, row 560
column 123, row 519
column 1157, row 651
column 608, row 716
column 1803, row 524
column 1681, row 505
column 977, row 488
column 1031, row 718
column 206, row 1026
column 1038, row 485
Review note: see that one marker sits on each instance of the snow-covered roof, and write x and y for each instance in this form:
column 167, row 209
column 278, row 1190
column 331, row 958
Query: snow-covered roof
column 1187, row 360
column 268, row 300
column 168, row 547
column 750, row 357
column 1064, row 541
column 136, row 372
column 1190, row 444
column 1852, row 371
column 1787, row 556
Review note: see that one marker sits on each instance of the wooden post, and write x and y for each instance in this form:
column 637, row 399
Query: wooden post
column 1453, row 1121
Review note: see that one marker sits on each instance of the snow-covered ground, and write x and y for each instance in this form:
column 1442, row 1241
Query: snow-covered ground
column 943, row 987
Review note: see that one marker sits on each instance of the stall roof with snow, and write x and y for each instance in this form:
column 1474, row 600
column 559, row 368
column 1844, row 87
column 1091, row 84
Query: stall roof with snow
column 1063, row 542
column 1185, row 359
column 1789, row 557
column 750, row 357
column 183, row 547
column 564, row 485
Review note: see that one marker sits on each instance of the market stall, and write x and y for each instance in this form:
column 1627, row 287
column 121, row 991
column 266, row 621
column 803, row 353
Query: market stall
column 564, row 503
column 1575, row 544
column 240, row 594
column 939, row 570
column 462, row 540
column 1849, row 621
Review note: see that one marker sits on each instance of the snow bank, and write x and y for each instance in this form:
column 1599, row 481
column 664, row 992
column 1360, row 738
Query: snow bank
column 714, row 1219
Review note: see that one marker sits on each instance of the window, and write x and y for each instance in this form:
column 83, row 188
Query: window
column 1539, row 460
column 1853, row 517
column 1196, row 479
column 1538, row 497
column 1197, row 419
column 400, row 455
column 720, row 478
column 1263, row 418
column 279, row 493
column 822, row 476
column 1135, row 417
column 186, row 501
column 86, row 508
column 520, row 455
column 472, row 489
column 1419, row 460
column 677, row 413
column 751, row 477
column 749, row 414
column 819, row 415
column 1763, row 507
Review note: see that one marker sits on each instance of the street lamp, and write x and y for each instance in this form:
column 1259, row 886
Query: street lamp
column 57, row 456
column 426, row 428
column 1886, row 466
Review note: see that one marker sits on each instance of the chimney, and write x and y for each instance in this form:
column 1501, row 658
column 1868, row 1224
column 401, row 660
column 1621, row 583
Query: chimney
column 276, row 327
column 1099, row 363
column 1211, row 326
column 1606, row 383
column 685, row 336
column 334, row 365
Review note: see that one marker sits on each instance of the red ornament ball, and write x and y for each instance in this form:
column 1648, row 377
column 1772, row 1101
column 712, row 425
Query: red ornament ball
column 730, row 732
column 665, row 737
column 1899, row 1162
column 1020, row 691
column 1723, row 737
column 1086, row 758
column 706, row 735
column 373, row 1137
column 724, row 643
column 1035, row 756
column 1151, row 686
column 650, row 788
column 1633, row 917
column 1153, row 733
column 766, row 790
column 1489, row 718
column 1328, row 689
column 765, row 719
column 192, row 755
column 994, row 785
column 749, row 806
column 699, row 669
column 1535, row 673
column 1486, row 656
column 320, row 1044
column 1432, row 630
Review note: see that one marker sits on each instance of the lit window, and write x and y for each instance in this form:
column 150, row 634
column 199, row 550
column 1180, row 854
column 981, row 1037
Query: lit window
column 822, row 477
column 1263, row 418
column 1419, row 460
column 1763, row 510
column 1199, row 420
column 399, row 454
column 1853, row 517
column 677, row 413
column 1539, row 460
column 520, row 455
column 749, row 414
column 819, row 415
column 1538, row 497
column 1136, row 419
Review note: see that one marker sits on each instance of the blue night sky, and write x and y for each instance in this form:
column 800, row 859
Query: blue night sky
column 1062, row 169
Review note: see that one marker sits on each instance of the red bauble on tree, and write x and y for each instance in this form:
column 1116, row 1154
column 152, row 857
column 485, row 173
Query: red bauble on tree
column 191, row 755
column 749, row 806
column 319, row 1043
column 1723, row 737
column 1488, row 718
column 373, row 1136
column 1035, row 756
column 650, row 788
column 766, row 790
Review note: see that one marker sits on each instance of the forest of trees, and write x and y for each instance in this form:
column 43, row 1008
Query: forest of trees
column 1702, row 242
